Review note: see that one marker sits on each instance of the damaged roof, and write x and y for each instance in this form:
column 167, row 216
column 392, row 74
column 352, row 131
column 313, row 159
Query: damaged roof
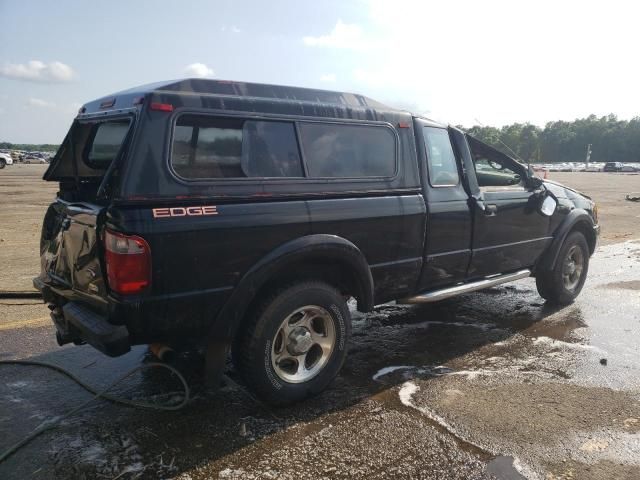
column 212, row 87
column 225, row 94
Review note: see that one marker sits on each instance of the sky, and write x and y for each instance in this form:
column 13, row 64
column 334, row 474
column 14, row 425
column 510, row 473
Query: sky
column 463, row 62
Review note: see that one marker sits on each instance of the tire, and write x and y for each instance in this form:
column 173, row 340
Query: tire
column 562, row 285
column 278, row 353
column 3, row 163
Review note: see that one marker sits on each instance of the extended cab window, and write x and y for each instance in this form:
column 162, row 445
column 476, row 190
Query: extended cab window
column 338, row 150
column 493, row 168
column 443, row 168
column 209, row 147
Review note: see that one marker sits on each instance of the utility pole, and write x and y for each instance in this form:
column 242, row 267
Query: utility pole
column 586, row 163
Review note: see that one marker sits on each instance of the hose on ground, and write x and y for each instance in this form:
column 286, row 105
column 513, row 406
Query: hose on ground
column 49, row 424
column 6, row 294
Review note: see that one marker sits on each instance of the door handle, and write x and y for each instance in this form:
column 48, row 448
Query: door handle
column 491, row 210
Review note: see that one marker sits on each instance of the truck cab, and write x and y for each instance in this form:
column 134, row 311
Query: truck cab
column 239, row 217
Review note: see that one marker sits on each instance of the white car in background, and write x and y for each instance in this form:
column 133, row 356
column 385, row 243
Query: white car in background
column 5, row 159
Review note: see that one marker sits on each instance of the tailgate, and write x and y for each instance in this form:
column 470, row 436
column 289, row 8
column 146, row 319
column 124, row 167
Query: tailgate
column 70, row 248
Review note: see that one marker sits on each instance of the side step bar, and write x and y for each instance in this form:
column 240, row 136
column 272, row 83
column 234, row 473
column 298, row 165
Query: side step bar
column 448, row 292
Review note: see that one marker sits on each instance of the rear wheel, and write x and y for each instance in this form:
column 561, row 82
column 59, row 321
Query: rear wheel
column 563, row 284
column 295, row 342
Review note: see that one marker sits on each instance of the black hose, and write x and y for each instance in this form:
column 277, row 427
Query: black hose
column 21, row 294
column 49, row 424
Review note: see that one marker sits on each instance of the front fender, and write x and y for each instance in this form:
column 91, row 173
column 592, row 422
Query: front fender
column 576, row 219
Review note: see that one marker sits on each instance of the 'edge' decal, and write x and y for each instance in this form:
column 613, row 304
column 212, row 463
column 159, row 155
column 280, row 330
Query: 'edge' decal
column 200, row 211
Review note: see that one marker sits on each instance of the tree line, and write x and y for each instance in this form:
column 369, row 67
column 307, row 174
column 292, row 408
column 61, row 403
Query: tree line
column 611, row 140
column 29, row 147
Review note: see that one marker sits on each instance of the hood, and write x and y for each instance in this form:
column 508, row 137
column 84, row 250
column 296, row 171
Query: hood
column 560, row 190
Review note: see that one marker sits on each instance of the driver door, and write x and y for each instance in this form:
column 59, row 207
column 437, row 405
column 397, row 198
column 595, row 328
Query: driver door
column 508, row 231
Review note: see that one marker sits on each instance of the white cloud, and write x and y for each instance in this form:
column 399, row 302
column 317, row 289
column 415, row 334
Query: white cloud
column 328, row 77
column 496, row 65
column 38, row 102
column 343, row 35
column 232, row 29
column 38, row 71
column 66, row 108
column 375, row 77
column 199, row 70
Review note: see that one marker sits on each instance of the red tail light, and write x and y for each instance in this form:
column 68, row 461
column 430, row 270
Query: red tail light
column 128, row 260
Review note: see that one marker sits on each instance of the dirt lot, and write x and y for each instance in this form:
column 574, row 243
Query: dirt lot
column 24, row 198
column 620, row 219
column 494, row 384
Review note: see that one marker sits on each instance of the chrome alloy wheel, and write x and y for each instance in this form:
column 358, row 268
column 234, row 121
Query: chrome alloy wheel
column 303, row 344
column 573, row 267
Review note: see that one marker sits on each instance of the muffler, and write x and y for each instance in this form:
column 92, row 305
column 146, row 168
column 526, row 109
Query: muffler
column 163, row 352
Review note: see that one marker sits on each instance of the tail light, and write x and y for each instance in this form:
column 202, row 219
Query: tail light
column 128, row 260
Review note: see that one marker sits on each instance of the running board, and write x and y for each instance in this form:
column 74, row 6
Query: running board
column 437, row 295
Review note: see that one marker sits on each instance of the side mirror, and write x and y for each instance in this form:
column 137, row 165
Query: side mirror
column 548, row 206
column 534, row 182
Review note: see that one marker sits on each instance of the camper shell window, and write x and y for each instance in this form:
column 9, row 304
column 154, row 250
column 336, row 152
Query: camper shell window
column 88, row 149
column 106, row 140
column 207, row 147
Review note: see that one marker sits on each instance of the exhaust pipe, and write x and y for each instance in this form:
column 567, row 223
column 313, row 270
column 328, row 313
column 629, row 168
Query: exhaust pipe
column 163, row 352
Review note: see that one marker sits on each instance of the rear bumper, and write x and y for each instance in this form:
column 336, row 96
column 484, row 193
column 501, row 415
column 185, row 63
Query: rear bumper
column 112, row 340
column 175, row 318
column 77, row 323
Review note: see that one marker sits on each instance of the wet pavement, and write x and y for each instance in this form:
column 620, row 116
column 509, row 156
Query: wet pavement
column 494, row 384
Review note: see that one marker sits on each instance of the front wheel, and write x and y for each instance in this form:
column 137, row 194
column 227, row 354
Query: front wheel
column 3, row 163
column 563, row 284
column 295, row 343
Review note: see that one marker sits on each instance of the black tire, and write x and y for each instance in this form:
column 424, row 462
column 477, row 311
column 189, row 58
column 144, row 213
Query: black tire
column 260, row 338
column 3, row 163
column 553, row 285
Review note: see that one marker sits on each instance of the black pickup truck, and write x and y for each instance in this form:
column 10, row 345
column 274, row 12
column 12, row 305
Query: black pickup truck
column 241, row 217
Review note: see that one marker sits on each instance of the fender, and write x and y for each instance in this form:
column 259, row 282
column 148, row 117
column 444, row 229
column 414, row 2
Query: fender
column 575, row 217
column 326, row 246
column 227, row 322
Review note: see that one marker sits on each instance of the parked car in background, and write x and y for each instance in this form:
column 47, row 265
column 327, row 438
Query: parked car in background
column 36, row 160
column 612, row 167
column 5, row 159
column 629, row 168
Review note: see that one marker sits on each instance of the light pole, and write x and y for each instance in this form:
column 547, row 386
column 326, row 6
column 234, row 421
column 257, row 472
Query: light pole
column 586, row 162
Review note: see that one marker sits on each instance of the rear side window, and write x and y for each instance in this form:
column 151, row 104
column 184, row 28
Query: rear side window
column 443, row 168
column 107, row 140
column 333, row 150
column 208, row 147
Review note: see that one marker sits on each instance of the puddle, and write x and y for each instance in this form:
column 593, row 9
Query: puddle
column 504, row 468
column 628, row 285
